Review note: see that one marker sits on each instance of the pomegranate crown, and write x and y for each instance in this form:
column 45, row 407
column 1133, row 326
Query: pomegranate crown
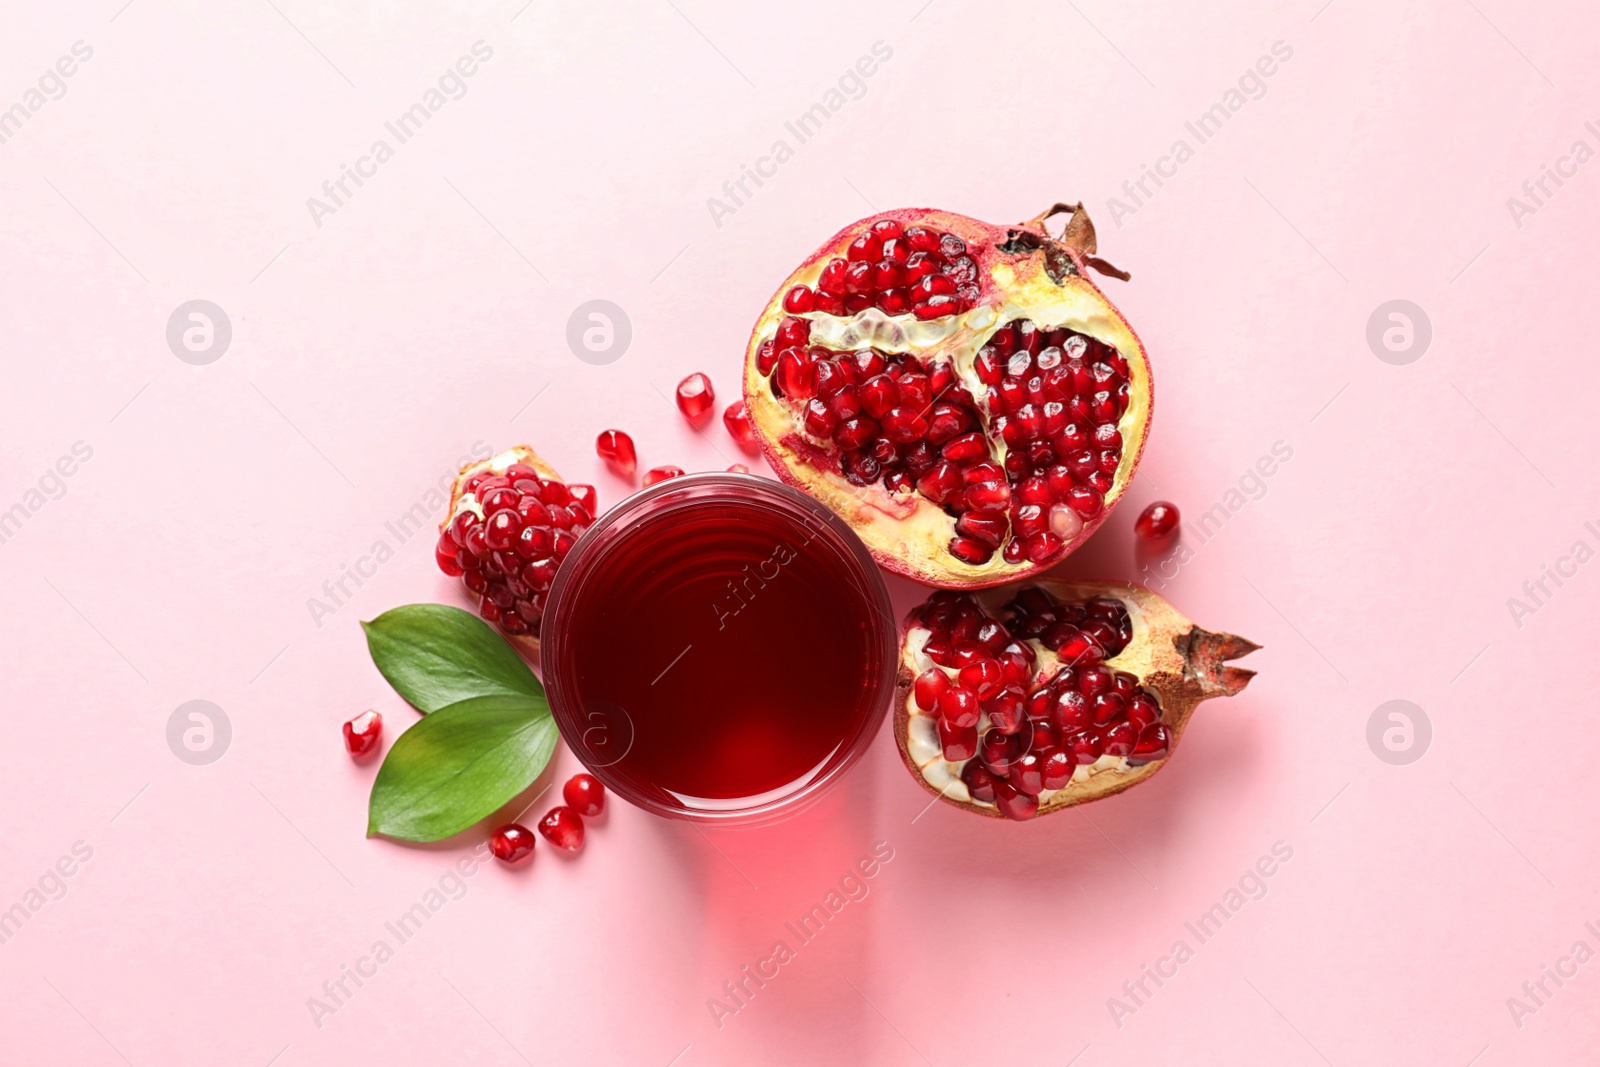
column 1064, row 255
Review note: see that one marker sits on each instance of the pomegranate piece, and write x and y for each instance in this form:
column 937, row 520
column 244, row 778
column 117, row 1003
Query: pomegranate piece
column 616, row 448
column 511, row 523
column 563, row 828
column 1006, row 694
column 737, row 421
column 512, row 843
column 1000, row 426
column 362, row 733
column 585, row 795
column 661, row 474
column 1157, row 523
column 696, row 398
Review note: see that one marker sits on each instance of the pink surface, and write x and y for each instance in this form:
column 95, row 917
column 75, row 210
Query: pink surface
column 429, row 313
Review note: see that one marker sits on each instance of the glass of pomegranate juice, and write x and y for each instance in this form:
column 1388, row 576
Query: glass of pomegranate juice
column 719, row 647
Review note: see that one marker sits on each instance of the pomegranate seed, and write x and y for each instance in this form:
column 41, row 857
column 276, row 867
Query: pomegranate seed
column 987, row 528
column 931, row 685
column 1008, row 710
column 511, row 843
column 857, row 433
column 661, row 474
column 1027, row 774
column 585, row 795
column 1014, row 804
column 1058, row 770
column 983, row 677
column 798, row 301
column 795, row 375
column 1095, row 681
column 361, row 733
column 1084, row 746
column 740, row 428
column 738, row 468
column 980, row 783
column 616, row 448
column 1084, row 500
column 1158, row 522
column 940, row 483
column 563, row 828
column 696, row 397
column 997, row 751
column 957, row 742
column 819, row 420
column 865, row 248
column 1046, row 735
column 1120, row 738
column 445, row 553
column 904, row 424
column 791, row 333
column 959, row 707
column 1155, row 742
column 1143, row 710
column 1044, row 547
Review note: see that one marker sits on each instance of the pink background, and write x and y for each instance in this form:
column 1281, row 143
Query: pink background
column 430, row 312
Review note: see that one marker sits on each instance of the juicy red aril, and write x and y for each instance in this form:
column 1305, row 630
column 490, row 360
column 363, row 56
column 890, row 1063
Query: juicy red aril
column 445, row 554
column 798, row 300
column 1143, row 710
column 1155, row 742
column 1014, row 804
column 969, row 551
column 1072, row 711
column 1119, row 738
column 362, row 733
column 696, row 397
column 1008, row 710
column 959, row 707
column 930, row 686
column 661, row 474
column 980, row 783
column 1058, row 770
column 737, row 421
column 997, row 751
column 511, row 843
column 1027, row 774
column 1157, row 522
column 957, row 742
column 616, row 448
column 563, row 828
column 585, row 795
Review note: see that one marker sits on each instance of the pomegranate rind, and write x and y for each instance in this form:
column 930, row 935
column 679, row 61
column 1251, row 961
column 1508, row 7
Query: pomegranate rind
column 907, row 533
column 461, row 500
column 1182, row 663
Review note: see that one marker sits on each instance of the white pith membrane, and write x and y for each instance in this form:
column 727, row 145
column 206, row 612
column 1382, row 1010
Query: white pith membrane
column 907, row 526
column 1175, row 662
column 922, row 734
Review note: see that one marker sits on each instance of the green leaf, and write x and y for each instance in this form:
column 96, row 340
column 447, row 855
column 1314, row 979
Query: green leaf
column 435, row 655
column 460, row 764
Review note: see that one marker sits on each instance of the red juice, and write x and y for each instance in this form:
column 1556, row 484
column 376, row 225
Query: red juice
column 720, row 652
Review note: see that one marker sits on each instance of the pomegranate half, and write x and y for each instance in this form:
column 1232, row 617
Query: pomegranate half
column 512, row 520
column 960, row 393
column 1024, row 701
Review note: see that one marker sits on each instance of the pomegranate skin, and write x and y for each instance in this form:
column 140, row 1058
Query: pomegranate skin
column 1022, row 272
